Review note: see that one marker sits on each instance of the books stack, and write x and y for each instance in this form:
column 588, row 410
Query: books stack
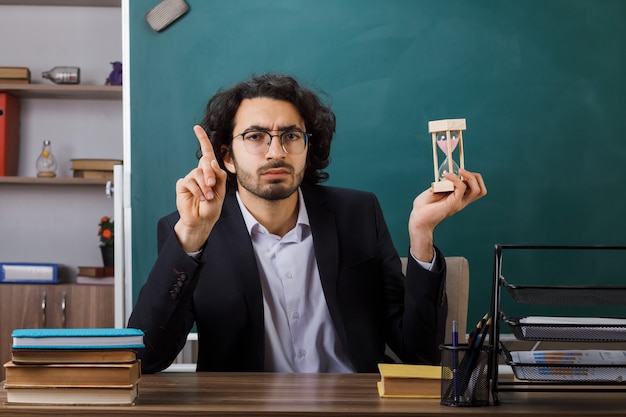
column 74, row 366
column 14, row 75
column 96, row 275
column 94, row 168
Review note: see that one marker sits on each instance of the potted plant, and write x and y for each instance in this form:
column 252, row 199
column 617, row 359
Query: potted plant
column 105, row 232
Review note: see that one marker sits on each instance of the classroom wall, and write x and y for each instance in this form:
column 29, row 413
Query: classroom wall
column 541, row 84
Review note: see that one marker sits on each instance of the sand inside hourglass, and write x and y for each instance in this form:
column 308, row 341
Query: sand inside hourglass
column 443, row 144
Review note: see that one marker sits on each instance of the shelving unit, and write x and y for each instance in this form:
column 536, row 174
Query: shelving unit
column 564, row 330
column 55, row 219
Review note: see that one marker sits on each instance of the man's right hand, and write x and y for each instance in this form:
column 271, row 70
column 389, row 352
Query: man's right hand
column 199, row 197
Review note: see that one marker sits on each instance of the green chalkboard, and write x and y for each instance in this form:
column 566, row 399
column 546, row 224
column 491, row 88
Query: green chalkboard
column 541, row 84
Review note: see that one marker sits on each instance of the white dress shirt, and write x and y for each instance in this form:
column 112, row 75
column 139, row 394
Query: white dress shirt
column 299, row 333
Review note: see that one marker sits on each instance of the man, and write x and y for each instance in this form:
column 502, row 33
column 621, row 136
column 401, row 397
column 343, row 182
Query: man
column 277, row 272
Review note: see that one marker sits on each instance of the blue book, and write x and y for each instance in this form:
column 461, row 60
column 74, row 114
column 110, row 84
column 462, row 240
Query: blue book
column 92, row 338
column 29, row 273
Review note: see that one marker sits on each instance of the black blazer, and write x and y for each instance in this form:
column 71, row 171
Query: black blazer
column 370, row 301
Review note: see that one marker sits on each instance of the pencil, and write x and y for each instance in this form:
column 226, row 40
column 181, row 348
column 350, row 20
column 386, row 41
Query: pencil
column 479, row 325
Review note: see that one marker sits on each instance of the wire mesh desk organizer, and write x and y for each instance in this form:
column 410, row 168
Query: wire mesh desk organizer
column 465, row 369
column 573, row 368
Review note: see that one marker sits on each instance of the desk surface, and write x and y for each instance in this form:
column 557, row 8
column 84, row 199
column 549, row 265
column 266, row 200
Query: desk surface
column 268, row 394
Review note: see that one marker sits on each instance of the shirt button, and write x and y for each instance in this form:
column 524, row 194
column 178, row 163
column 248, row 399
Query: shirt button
column 288, row 275
column 301, row 353
column 295, row 315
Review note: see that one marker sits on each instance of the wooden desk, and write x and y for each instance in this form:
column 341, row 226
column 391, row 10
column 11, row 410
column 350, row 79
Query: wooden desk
column 267, row 394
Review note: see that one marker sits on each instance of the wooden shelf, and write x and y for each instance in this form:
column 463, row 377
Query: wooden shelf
column 76, row 92
column 53, row 181
column 77, row 3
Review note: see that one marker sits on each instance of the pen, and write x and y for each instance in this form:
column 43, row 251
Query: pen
column 455, row 358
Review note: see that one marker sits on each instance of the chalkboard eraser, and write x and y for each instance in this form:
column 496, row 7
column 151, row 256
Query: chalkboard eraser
column 165, row 13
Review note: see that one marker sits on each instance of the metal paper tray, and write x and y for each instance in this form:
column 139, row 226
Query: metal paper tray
column 566, row 373
column 566, row 332
column 567, row 295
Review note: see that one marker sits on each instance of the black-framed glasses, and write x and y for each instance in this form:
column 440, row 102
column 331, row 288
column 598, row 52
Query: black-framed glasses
column 257, row 142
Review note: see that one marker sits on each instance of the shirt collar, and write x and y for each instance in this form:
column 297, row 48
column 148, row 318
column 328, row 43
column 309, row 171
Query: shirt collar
column 254, row 226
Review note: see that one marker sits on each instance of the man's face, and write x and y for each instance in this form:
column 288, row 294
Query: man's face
column 275, row 174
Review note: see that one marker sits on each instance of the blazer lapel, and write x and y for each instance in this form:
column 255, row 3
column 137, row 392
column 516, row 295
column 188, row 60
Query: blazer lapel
column 234, row 232
column 325, row 243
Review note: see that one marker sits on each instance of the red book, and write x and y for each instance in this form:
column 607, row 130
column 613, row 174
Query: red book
column 9, row 134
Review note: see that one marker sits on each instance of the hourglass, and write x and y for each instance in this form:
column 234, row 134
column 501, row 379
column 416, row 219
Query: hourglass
column 447, row 136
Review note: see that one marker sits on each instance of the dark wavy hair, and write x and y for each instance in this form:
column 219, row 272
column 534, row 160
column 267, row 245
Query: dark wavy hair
column 219, row 119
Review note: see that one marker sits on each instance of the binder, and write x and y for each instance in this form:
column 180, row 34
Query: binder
column 9, row 134
column 32, row 273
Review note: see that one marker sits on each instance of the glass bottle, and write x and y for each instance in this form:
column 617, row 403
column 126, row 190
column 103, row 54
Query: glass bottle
column 46, row 162
column 63, row 75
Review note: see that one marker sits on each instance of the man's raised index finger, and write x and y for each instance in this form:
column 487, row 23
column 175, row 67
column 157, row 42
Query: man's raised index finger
column 205, row 143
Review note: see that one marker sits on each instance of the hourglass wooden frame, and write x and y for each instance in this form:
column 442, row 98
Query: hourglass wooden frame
column 435, row 128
